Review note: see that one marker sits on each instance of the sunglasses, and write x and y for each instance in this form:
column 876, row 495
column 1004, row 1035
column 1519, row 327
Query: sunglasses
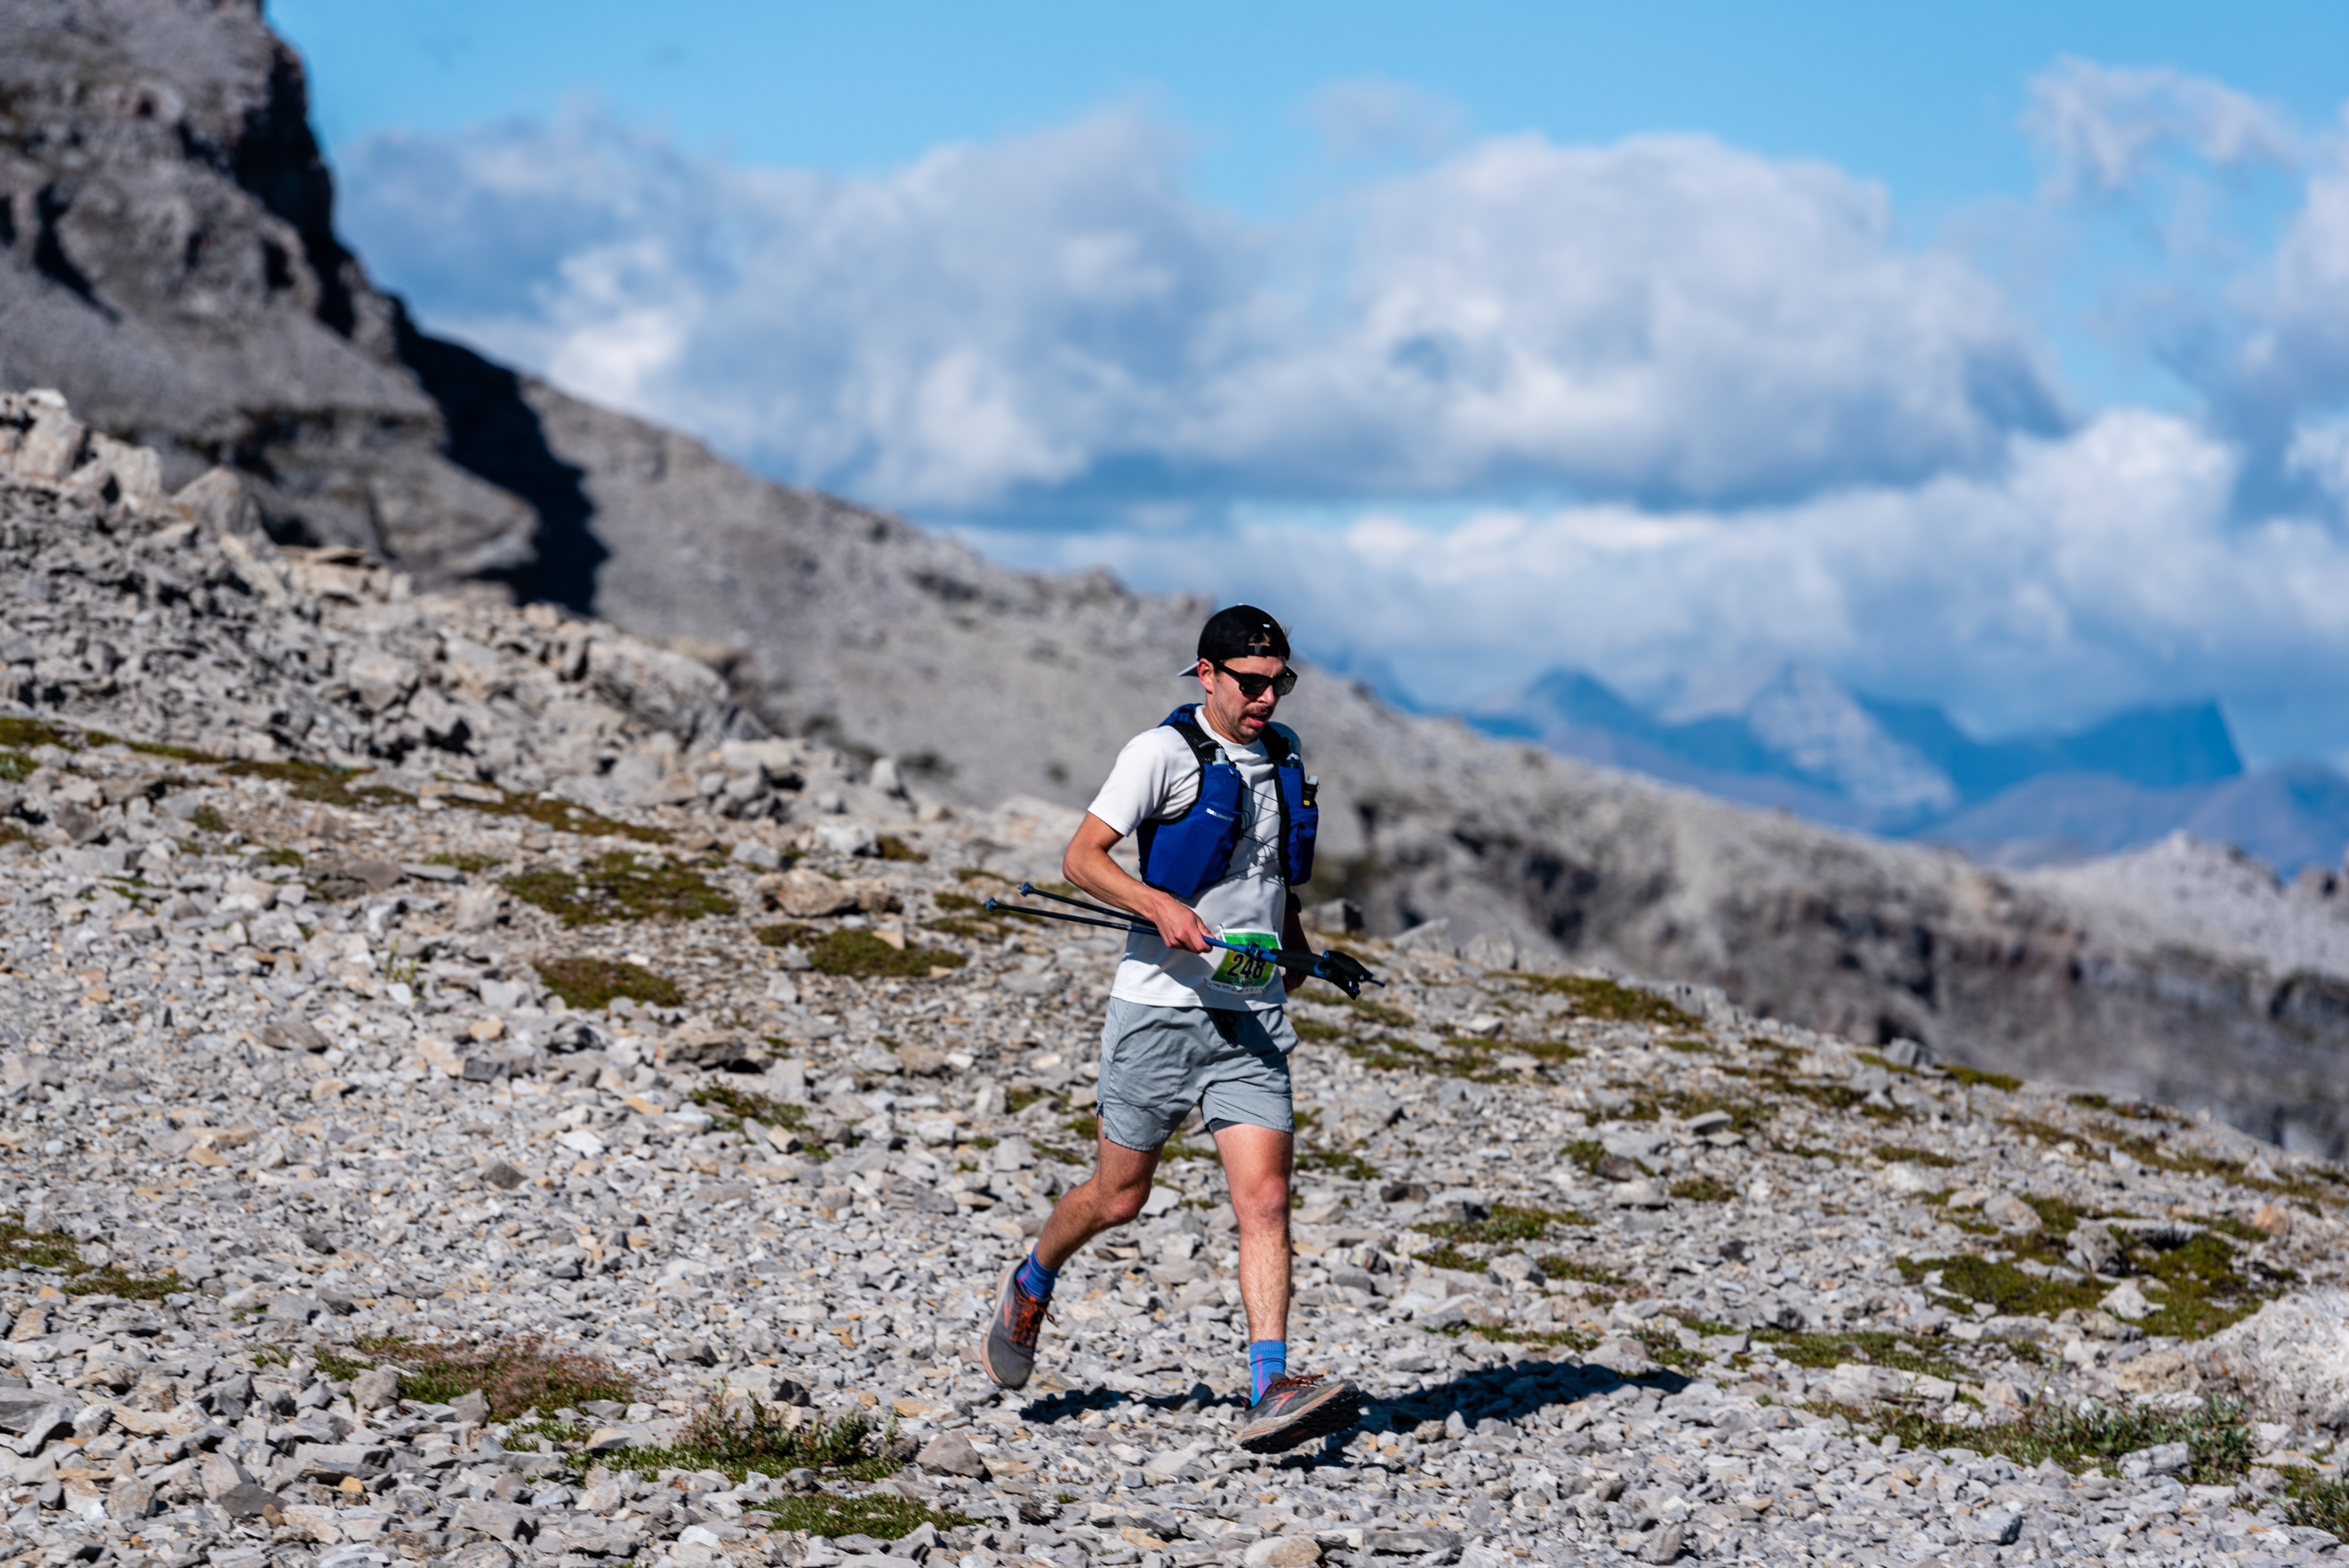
column 1253, row 686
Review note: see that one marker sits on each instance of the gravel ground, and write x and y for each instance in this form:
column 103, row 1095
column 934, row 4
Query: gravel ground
column 316, row 1095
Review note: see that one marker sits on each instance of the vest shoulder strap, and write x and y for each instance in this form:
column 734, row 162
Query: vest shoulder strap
column 1184, row 721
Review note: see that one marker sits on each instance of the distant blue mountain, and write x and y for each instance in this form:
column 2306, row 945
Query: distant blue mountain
column 2158, row 747
column 1798, row 741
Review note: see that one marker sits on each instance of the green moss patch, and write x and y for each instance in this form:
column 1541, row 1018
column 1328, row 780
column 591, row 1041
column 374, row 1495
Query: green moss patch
column 1509, row 1225
column 863, row 955
column 1899, row 1154
column 1555, row 1267
column 617, row 886
column 593, row 983
column 318, row 782
column 1974, row 1077
column 883, row 1516
column 22, row 734
column 2011, row 1290
column 58, row 1252
column 1607, row 1000
column 1900, row 1352
column 562, row 816
column 1342, row 1162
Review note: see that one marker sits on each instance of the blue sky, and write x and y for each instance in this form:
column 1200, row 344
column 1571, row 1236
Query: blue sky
column 1974, row 355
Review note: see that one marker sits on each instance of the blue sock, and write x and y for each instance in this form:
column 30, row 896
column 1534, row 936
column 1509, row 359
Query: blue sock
column 1036, row 1279
column 1268, row 1359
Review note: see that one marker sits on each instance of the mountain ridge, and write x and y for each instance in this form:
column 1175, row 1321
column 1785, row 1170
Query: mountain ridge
column 1800, row 742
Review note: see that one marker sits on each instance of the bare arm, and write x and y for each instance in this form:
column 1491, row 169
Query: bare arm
column 1087, row 864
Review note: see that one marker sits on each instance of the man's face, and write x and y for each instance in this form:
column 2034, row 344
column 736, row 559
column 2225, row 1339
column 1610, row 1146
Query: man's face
column 1234, row 712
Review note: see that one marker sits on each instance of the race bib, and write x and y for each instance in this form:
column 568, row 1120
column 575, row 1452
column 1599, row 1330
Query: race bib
column 1242, row 972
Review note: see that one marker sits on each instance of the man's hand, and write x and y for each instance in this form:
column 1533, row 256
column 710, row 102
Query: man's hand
column 1343, row 970
column 1178, row 923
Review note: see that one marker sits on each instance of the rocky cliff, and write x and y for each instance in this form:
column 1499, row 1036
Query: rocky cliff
column 168, row 259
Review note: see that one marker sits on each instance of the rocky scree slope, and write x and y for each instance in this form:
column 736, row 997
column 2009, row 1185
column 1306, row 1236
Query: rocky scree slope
column 541, row 1151
column 167, row 258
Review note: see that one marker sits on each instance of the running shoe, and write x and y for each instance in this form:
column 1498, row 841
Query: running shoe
column 1008, row 1351
column 1296, row 1409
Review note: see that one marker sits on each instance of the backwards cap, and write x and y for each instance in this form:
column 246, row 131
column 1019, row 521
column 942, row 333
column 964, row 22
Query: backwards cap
column 1240, row 632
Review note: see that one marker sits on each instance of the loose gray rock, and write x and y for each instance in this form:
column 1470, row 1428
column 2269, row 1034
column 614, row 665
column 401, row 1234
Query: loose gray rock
column 951, row 1453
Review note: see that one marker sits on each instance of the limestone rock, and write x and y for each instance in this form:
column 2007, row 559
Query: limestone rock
column 376, row 1389
column 951, row 1453
column 2289, row 1361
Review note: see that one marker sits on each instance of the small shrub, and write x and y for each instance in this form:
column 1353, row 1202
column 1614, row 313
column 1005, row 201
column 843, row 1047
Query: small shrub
column 593, row 983
column 513, row 1375
column 615, row 886
column 2217, row 1440
column 892, row 847
column 1703, row 1190
column 1587, row 1153
column 747, row 1104
column 467, row 863
column 2314, row 1503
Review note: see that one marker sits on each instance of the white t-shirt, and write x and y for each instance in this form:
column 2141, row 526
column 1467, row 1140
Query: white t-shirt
column 1156, row 779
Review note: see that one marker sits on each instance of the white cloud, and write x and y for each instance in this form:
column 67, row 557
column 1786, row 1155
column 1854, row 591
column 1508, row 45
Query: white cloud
column 1051, row 321
column 2102, row 127
column 1793, row 435
column 2096, row 569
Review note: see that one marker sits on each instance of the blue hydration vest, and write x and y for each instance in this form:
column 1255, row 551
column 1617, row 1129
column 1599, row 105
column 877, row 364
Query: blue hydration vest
column 1192, row 854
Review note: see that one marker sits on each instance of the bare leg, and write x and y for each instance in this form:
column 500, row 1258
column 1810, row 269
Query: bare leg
column 1256, row 1167
column 1111, row 1195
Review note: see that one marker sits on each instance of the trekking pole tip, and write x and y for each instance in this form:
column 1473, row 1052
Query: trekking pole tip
column 989, row 906
column 1027, row 889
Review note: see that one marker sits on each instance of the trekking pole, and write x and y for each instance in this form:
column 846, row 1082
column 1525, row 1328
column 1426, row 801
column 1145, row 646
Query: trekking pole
column 1030, row 890
column 1340, row 969
column 996, row 906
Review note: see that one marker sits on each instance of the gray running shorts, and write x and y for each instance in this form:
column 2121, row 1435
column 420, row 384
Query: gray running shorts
column 1157, row 1063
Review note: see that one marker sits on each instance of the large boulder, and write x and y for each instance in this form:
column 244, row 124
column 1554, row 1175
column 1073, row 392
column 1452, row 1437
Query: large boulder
column 2288, row 1362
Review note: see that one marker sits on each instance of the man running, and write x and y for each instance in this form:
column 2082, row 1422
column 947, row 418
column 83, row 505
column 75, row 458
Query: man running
column 1226, row 817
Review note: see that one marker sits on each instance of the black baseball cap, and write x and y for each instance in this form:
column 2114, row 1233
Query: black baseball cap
column 1239, row 632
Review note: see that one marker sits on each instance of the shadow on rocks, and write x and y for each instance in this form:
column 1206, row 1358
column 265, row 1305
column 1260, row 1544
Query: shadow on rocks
column 1513, row 1392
